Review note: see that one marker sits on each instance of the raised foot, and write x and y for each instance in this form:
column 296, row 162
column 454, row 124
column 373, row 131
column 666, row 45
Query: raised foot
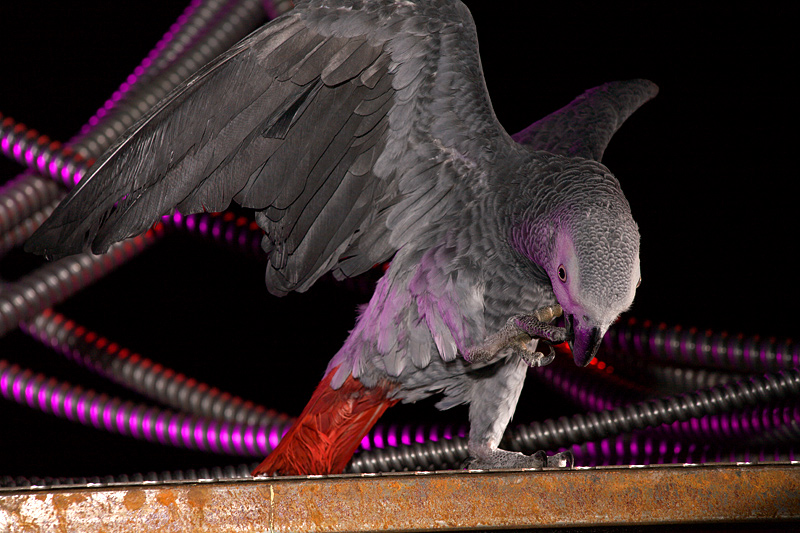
column 505, row 459
column 517, row 333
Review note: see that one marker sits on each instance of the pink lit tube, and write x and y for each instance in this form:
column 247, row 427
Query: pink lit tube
column 128, row 418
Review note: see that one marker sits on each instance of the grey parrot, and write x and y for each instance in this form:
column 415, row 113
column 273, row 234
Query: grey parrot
column 361, row 132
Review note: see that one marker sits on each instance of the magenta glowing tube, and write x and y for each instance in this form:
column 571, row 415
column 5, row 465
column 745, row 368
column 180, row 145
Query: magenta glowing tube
column 136, row 420
column 235, row 231
column 592, row 389
column 161, row 54
column 39, row 153
column 643, row 449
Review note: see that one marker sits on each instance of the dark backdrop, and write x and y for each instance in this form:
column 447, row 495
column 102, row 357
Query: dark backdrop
column 706, row 166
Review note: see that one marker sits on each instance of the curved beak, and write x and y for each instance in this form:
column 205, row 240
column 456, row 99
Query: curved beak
column 584, row 340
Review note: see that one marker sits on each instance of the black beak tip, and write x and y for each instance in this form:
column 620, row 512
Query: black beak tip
column 584, row 357
column 583, row 360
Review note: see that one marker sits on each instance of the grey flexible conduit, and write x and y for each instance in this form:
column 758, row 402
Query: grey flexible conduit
column 24, row 195
column 137, row 420
column 552, row 434
column 33, row 194
column 692, row 346
column 200, row 474
column 22, row 231
column 25, row 298
column 142, row 375
column 181, row 430
column 55, row 282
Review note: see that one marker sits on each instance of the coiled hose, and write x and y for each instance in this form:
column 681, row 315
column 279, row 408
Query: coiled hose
column 230, row 21
column 777, row 424
column 55, row 282
column 170, row 388
column 134, row 419
column 182, row 36
column 645, row 450
column 25, row 194
column 591, row 389
column 32, row 194
column 22, row 231
column 38, row 152
column 200, row 474
column 429, row 459
column 220, row 27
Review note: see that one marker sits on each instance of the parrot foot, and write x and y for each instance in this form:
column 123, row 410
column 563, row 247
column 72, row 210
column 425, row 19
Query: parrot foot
column 504, row 459
column 534, row 359
column 518, row 331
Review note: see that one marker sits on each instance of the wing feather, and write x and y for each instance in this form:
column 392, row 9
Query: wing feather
column 340, row 126
column 585, row 126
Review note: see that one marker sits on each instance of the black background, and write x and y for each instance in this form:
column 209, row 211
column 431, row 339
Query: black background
column 707, row 167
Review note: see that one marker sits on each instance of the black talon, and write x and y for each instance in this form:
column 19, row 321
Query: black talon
column 551, row 356
column 564, row 459
column 541, row 457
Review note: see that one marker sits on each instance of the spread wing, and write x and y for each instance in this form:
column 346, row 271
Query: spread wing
column 584, row 127
column 346, row 129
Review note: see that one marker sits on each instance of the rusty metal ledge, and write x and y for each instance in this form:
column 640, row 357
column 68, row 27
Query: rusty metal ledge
column 418, row 501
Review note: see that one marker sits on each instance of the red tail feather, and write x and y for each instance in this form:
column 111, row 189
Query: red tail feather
column 329, row 430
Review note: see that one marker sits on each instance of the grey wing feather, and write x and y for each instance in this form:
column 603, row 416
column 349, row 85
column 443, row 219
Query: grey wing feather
column 159, row 162
column 339, row 125
column 584, row 127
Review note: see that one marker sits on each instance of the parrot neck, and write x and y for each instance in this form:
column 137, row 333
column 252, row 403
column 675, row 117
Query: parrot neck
column 534, row 241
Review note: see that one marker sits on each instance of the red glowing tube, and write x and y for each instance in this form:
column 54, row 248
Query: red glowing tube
column 56, row 281
column 39, row 153
column 140, row 374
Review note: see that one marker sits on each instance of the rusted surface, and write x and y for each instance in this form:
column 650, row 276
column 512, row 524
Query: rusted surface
column 421, row 501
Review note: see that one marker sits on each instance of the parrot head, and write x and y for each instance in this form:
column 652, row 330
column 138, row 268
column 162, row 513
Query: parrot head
column 594, row 272
column 576, row 229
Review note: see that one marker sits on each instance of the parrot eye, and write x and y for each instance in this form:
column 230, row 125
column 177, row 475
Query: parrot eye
column 562, row 273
